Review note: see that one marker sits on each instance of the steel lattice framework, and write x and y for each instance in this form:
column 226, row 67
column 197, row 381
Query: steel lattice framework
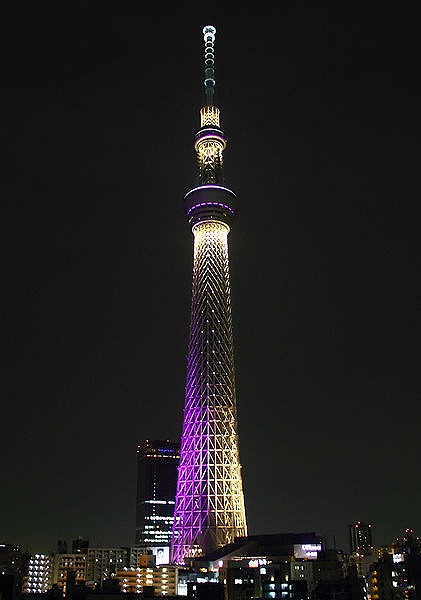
column 209, row 509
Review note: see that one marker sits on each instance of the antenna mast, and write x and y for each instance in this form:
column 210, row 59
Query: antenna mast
column 209, row 36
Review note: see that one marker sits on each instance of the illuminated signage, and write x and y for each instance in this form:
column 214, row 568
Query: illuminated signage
column 397, row 558
column 257, row 562
column 162, row 555
column 307, row 550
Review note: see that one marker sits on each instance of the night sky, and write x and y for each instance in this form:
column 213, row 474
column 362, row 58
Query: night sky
column 321, row 108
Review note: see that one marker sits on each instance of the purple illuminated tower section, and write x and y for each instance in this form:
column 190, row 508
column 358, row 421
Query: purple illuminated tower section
column 209, row 507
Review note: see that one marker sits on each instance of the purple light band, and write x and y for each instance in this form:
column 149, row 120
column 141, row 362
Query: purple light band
column 211, row 204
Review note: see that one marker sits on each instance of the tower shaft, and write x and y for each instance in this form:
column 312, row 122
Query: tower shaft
column 209, row 508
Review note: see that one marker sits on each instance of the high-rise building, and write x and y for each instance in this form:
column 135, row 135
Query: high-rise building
column 209, row 509
column 39, row 574
column 157, row 463
column 360, row 538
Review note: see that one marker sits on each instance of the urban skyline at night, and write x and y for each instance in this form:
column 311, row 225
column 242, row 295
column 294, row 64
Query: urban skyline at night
column 271, row 566
column 321, row 111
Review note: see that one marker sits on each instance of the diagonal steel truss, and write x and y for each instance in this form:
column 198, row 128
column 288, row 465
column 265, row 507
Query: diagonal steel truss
column 209, row 509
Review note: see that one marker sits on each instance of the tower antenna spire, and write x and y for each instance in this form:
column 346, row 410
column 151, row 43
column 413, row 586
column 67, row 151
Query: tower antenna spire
column 209, row 37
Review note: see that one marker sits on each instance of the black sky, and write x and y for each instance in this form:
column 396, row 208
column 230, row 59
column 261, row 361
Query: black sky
column 100, row 104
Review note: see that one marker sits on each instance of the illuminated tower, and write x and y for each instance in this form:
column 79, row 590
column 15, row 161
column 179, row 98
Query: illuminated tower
column 209, row 508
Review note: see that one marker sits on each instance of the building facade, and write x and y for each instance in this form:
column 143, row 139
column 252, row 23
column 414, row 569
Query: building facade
column 360, row 538
column 209, row 509
column 103, row 563
column 157, row 463
column 39, row 576
column 162, row 580
column 68, row 570
column 13, row 565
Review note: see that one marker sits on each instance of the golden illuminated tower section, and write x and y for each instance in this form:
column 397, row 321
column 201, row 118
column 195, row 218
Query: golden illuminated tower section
column 209, row 507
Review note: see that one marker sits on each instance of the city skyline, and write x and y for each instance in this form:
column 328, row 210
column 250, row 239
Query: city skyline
column 321, row 112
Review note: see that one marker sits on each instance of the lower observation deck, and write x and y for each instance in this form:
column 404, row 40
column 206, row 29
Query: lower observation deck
column 210, row 202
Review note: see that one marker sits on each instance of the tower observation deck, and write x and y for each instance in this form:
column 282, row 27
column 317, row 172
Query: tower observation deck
column 209, row 507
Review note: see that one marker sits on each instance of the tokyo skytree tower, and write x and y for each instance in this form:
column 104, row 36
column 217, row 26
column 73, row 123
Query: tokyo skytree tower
column 209, row 507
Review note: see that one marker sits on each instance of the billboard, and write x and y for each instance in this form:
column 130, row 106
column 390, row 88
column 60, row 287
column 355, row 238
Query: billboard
column 307, row 550
column 162, row 555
